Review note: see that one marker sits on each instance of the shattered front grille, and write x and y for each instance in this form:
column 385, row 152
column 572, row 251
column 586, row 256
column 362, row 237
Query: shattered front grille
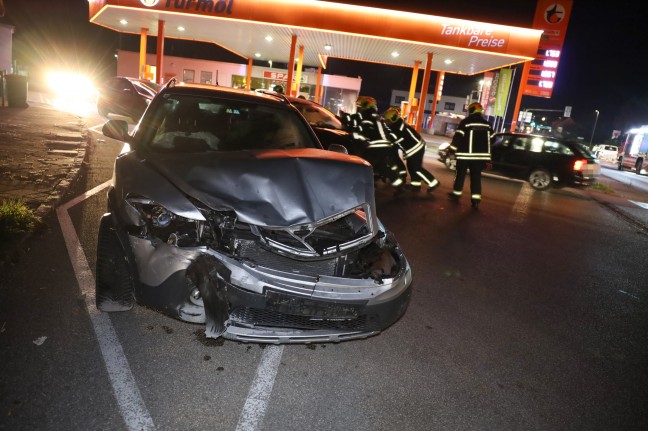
column 337, row 234
column 251, row 250
column 246, row 316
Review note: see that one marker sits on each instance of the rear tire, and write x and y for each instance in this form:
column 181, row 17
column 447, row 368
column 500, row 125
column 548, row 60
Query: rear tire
column 639, row 167
column 540, row 179
column 620, row 164
column 115, row 287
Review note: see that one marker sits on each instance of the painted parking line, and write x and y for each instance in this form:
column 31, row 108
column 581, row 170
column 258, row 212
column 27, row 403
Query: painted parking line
column 129, row 400
column 641, row 204
column 522, row 204
column 259, row 394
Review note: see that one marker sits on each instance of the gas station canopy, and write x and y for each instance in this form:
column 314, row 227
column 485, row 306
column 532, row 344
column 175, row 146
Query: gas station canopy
column 265, row 29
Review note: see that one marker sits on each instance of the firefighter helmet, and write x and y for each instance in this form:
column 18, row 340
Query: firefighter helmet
column 392, row 114
column 475, row 107
column 364, row 103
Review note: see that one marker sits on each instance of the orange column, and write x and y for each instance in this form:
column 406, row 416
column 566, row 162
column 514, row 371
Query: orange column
column 142, row 58
column 424, row 87
column 438, row 89
column 300, row 60
column 412, row 91
column 318, row 86
column 248, row 78
column 160, row 52
column 291, row 64
column 518, row 101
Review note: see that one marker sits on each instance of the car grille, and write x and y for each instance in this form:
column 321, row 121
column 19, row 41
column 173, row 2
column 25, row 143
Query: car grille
column 263, row 317
column 251, row 250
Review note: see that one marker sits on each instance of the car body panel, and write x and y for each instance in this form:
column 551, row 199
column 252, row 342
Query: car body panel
column 267, row 245
column 273, row 187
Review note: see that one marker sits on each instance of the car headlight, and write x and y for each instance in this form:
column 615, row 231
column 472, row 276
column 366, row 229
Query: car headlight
column 158, row 222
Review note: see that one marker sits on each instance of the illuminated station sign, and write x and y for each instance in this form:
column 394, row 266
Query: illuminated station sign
column 542, row 73
column 552, row 17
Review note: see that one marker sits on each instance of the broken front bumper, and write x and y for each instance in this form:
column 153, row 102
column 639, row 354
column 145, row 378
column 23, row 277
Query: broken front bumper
column 243, row 301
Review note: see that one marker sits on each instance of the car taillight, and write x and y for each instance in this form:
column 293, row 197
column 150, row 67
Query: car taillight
column 579, row 165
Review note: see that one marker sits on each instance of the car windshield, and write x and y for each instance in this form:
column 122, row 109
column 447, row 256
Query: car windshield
column 318, row 116
column 183, row 123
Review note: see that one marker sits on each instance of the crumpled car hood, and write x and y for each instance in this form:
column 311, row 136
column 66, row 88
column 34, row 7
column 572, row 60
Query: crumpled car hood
column 272, row 188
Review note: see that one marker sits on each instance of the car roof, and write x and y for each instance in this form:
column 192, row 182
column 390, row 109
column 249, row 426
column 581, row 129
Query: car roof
column 535, row 135
column 228, row 92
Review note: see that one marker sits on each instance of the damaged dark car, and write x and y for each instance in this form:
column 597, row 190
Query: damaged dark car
column 225, row 210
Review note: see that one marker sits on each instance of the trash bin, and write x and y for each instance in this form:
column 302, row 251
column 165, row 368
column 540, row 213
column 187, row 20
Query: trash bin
column 16, row 91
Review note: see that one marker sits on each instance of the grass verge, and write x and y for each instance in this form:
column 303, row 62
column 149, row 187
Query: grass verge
column 603, row 188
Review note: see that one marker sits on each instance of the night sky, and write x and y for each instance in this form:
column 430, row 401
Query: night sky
column 600, row 67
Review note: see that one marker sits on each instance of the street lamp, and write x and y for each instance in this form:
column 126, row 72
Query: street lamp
column 594, row 128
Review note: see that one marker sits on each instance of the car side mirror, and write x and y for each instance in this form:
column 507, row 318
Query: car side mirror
column 116, row 129
column 337, row 148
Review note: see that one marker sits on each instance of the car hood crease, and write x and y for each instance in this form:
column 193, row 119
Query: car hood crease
column 272, row 188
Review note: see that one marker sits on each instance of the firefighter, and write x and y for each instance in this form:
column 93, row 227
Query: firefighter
column 471, row 147
column 381, row 152
column 412, row 145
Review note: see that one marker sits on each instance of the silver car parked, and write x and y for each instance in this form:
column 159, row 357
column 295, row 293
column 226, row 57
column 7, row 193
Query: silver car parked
column 226, row 211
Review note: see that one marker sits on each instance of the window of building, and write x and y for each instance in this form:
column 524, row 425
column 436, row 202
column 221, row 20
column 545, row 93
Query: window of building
column 449, row 106
column 205, row 77
column 188, row 75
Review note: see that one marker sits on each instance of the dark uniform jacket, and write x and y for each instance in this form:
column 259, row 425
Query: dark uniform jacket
column 472, row 139
column 369, row 126
column 407, row 138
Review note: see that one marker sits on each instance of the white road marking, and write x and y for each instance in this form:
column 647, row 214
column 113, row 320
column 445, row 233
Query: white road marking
column 640, row 204
column 130, row 402
column 257, row 399
column 522, row 204
column 629, row 294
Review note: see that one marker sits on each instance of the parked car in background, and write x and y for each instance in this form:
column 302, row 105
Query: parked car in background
column 544, row 160
column 125, row 96
column 327, row 126
column 227, row 211
column 606, row 152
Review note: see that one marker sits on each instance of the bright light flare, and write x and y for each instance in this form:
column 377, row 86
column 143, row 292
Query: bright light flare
column 72, row 92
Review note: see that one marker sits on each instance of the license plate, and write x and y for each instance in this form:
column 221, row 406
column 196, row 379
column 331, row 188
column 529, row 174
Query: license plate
column 316, row 310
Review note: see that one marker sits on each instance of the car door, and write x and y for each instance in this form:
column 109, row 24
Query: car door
column 500, row 149
column 514, row 160
column 558, row 159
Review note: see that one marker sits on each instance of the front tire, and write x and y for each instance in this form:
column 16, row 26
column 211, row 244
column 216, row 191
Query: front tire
column 115, row 286
column 540, row 179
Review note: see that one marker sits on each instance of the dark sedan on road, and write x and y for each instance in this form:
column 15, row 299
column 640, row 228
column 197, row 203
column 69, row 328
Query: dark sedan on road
column 227, row 211
column 544, row 160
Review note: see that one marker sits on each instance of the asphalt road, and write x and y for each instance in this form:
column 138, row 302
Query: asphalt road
column 530, row 313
